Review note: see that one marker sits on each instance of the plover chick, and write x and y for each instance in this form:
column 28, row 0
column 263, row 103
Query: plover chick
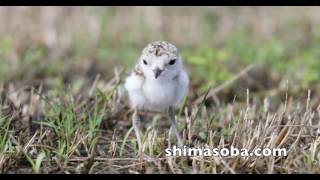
column 158, row 83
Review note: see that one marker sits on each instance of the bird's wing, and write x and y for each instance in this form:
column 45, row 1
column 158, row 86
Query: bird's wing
column 183, row 84
column 135, row 80
column 137, row 71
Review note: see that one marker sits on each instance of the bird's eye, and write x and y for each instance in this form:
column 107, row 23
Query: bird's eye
column 171, row 62
column 145, row 62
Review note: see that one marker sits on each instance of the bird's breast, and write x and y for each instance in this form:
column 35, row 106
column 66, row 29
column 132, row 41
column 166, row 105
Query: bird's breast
column 160, row 93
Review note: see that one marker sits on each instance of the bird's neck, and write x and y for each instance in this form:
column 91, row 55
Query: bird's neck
column 162, row 79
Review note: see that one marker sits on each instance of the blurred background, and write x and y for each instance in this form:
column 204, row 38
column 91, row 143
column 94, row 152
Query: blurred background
column 60, row 68
column 68, row 46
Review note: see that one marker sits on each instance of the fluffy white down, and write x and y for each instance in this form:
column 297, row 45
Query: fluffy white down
column 133, row 83
column 156, row 95
column 183, row 88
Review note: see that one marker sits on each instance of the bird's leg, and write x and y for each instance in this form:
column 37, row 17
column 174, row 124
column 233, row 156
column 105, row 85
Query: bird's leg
column 136, row 121
column 172, row 118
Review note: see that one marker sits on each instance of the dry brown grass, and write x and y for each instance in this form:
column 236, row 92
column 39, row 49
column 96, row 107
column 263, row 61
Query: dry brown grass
column 105, row 148
column 61, row 111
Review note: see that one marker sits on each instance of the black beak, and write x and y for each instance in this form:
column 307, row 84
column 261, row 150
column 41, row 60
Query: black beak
column 157, row 72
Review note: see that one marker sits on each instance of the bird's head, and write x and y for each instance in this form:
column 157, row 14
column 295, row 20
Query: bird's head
column 160, row 60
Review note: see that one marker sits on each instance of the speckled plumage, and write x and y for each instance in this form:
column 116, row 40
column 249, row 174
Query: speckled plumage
column 156, row 94
column 157, row 83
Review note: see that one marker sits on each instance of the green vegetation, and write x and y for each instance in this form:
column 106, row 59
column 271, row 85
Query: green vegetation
column 62, row 109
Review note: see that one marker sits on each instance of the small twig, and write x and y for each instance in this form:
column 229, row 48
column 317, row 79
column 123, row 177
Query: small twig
column 200, row 106
column 227, row 166
column 43, row 146
column 114, row 159
column 94, row 85
column 131, row 165
column 214, row 91
column 30, row 142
